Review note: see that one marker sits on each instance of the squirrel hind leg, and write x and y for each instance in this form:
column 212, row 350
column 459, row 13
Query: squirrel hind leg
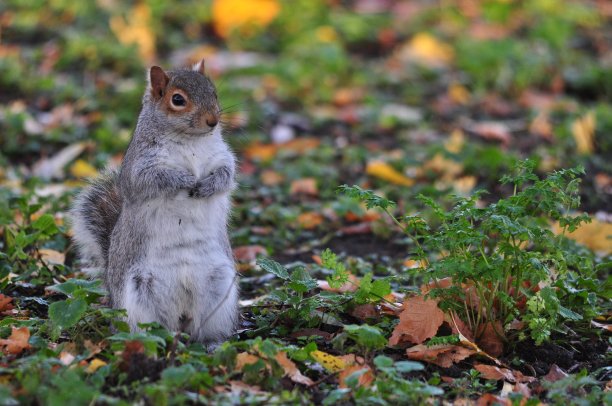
column 93, row 215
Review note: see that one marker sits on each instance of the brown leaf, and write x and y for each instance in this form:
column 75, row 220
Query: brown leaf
column 291, row 370
column 305, row 186
column 444, row 355
column 356, row 229
column 419, row 320
column 248, row 253
column 458, row 326
column 497, row 373
column 309, row 220
column 17, row 341
column 489, row 399
column 271, row 178
column 243, row 359
column 491, row 338
column 5, row 303
column 492, row 131
column 365, row 379
column 365, row 311
column 555, row 373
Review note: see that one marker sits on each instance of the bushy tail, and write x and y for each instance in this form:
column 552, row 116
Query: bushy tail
column 94, row 213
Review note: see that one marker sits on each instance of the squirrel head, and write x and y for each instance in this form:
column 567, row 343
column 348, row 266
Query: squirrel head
column 186, row 99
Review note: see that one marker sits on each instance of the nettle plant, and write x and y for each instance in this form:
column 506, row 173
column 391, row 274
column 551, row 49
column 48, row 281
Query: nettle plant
column 501, row 265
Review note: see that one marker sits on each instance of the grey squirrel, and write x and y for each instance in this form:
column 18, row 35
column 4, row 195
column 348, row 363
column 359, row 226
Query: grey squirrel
column 156, row 230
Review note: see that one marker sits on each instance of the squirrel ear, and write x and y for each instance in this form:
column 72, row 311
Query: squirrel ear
column 158, row 80
column 199, row 67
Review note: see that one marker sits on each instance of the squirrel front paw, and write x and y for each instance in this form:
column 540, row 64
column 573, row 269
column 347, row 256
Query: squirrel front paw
column 203, row 188
column 220, row 180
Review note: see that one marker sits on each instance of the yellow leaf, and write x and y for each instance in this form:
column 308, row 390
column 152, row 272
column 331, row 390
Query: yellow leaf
column 464, row 185
column 330, row 362
column 52, row 256
column 427, row 49
column 583, row 130
column 82, row 169
column 326, row 34
column 94, row 365
column 458, row 93
column 136, row 30
column 456, row 142
column 386, row 172
column 242, row 15
column 595, row 235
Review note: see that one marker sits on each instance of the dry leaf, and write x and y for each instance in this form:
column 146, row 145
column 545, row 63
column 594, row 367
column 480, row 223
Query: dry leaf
column 54, row 167
column 555, row 374
column 492, row 131
column 17, row 341
column 491, row 338
column 305, row 186
column 82, row 169
column 595, row 235
column 541, row 126
column 94, row 365
column 309, row 220
column 455, row 142
column 365, row 311
column 260, row 152
column 136, row 30
column 419, row 320
column 489, row 399
column 458, row 93
column 583, row 130
column 243, row 359
column 242, row 15
column 446, row 168
column 66, row 358
column 464, row 185
column 351, row 286
column 291, row 370
column 271, row 178
column 52, row 256
column 330, row 362
column 309, row 332
column 384, row 171
column 444, row 355
column 428, row 50
column 5, row 303
column 248, row 253
column 365, row 379
column 497, row 373
column 607, row 327
column 458, row 326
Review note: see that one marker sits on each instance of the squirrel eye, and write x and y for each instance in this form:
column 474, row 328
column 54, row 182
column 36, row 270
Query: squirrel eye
column 178, row 100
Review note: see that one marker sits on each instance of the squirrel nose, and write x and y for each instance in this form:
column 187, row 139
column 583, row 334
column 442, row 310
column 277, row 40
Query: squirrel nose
column 212, row 120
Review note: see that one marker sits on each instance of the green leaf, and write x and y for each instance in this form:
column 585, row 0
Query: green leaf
column 273, row 267
column 178, row 376
column 568, row 314
column 340, row 275
column 301, row 281
column 367, row 336
column 45, row 224
column 67, row 313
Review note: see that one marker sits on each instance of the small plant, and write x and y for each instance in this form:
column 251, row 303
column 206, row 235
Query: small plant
column 501, row 263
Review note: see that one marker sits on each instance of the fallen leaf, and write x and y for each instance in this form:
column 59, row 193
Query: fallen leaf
column 492, row 131
column 54, row 167
column 498, row 373
column 455, row 142
column 5, row 303
column 243, row 359
column 66, row 358
column 291, row 370
column 444, row 355
column 309, row 220
column 446, row 168
column 607, row 327
column 583, row 130
column 428, row 50
column 271, row 178
column 81, row 169
column 136, row 29
column 351, row 286
column 300, row 145
column 94, row 365
column 458, row 93
column 330, row 362
column 365, row 311
column 52, row 256
column 248, row 253
column 596, row 235
column 490, row 337
column 17, row 342
column 458, row 326
column 555, row 374
column 305, row 186
column 260, row 152
column 489, row 399
column 384, row 171
column 355, row 229
column 309, row 332
column 541, row 126
column 243, row 16
column 464, row 185
column 365, row 379
column 419, row 320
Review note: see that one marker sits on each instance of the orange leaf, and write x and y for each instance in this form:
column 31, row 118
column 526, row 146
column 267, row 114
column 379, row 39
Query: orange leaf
column 271, row 178
column 497, row 373
column 248, row 253
column 242, row 15
column 555, row 374
column 491, row 338
column 365, row 379
column 309, row 220
column 291, row 370
column 243, row 359
column 260, row 152
column 428, row 50
column 384, row 171
column 419, row 320
column 5, row 303
column 442, row 355
column 305, row 186
column 17, row 341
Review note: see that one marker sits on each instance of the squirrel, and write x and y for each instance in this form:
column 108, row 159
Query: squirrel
column 156, row 230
